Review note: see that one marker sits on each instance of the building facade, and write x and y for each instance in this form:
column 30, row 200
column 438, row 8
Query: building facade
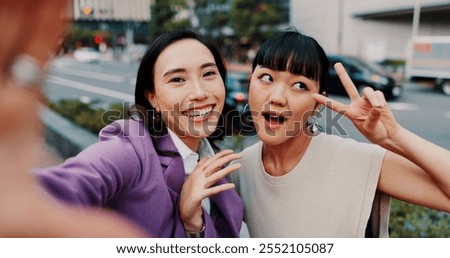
column 123, row 18
column 372, row 29
column 112, row 10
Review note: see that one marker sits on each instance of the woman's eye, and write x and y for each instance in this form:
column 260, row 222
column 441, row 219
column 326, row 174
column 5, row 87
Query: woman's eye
column 299, row 86
column 209, row 73
column 176, row 79
column 266, row 78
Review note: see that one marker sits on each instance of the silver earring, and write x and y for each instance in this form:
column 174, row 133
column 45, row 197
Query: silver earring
column 313, row 125
column 156, row 117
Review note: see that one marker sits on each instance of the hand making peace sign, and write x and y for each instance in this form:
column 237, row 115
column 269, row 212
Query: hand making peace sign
column 369, row 113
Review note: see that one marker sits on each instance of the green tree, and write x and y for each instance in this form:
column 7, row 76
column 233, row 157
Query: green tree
column 214, row 15
column 409, row 220
column 78, row 36
column 254, row 20
column 81, row 35
column 163, row 19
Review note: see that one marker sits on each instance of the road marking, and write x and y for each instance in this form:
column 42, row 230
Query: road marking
column 403, row 106
column 94, row 75
column 90, row 88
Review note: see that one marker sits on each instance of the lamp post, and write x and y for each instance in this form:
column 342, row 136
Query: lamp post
column 340, row 25
column 415, row 31
column 416, row 19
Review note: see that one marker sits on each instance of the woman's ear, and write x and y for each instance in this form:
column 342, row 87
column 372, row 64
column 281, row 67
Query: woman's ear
column 152, row 99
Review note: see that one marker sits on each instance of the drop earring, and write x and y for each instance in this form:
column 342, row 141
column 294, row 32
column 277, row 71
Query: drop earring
column 312, row 124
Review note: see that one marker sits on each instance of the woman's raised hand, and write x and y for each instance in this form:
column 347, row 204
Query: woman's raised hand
column 369, row 113
column 201, row 184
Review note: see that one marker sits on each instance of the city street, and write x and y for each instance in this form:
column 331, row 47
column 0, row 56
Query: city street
column 420, row 109
column 105, row 81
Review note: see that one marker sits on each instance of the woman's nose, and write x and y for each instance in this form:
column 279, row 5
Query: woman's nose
column 278, row 96
column 198, row 91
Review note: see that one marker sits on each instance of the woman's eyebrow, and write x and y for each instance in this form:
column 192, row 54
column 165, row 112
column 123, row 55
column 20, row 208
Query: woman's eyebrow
column 172, row 71
column 180, row 70
column 209, row 64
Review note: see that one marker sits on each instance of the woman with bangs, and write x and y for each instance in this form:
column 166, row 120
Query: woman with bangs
column 299, row 182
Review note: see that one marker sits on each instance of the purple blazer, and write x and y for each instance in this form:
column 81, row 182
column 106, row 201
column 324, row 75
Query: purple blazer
column 125, row 173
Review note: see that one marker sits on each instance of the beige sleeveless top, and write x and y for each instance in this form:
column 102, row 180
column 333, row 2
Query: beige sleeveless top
column 329, row 193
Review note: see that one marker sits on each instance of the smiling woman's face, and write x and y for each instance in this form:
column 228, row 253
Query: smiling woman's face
column 281, row 103
column 189, row 91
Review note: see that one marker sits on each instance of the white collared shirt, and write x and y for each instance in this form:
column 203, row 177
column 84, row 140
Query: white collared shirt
column 191, row 158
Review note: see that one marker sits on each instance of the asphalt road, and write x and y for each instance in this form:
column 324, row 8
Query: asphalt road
column 420, row 109
column 104, row 81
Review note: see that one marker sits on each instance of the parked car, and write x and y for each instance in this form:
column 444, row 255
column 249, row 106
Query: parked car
column 235, row 111
column 237, row 89
column 363, row 74
column 87, row 55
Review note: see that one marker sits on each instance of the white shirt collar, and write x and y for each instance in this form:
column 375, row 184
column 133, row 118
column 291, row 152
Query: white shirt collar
column 190, row 157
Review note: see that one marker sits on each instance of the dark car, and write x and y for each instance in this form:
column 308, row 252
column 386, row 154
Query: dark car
column 235, row 111
column 363, row 74
column 237, row 89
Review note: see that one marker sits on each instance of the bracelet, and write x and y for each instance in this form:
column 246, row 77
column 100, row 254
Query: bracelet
column 26, row 70
column 198, row 234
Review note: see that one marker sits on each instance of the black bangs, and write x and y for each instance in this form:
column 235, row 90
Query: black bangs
column 296, row 53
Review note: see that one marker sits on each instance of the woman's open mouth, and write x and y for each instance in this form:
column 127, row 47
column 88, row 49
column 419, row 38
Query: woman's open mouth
column 199, row 114
column 273, row 119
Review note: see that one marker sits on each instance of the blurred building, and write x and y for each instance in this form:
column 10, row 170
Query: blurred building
column 123, row 18
column 112, row 10
column 372, row 29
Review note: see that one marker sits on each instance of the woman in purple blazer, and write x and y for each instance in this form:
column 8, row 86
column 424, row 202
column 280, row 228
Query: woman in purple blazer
column 158, row 169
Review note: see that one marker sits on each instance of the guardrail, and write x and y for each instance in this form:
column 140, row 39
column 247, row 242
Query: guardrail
column 65, row 136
